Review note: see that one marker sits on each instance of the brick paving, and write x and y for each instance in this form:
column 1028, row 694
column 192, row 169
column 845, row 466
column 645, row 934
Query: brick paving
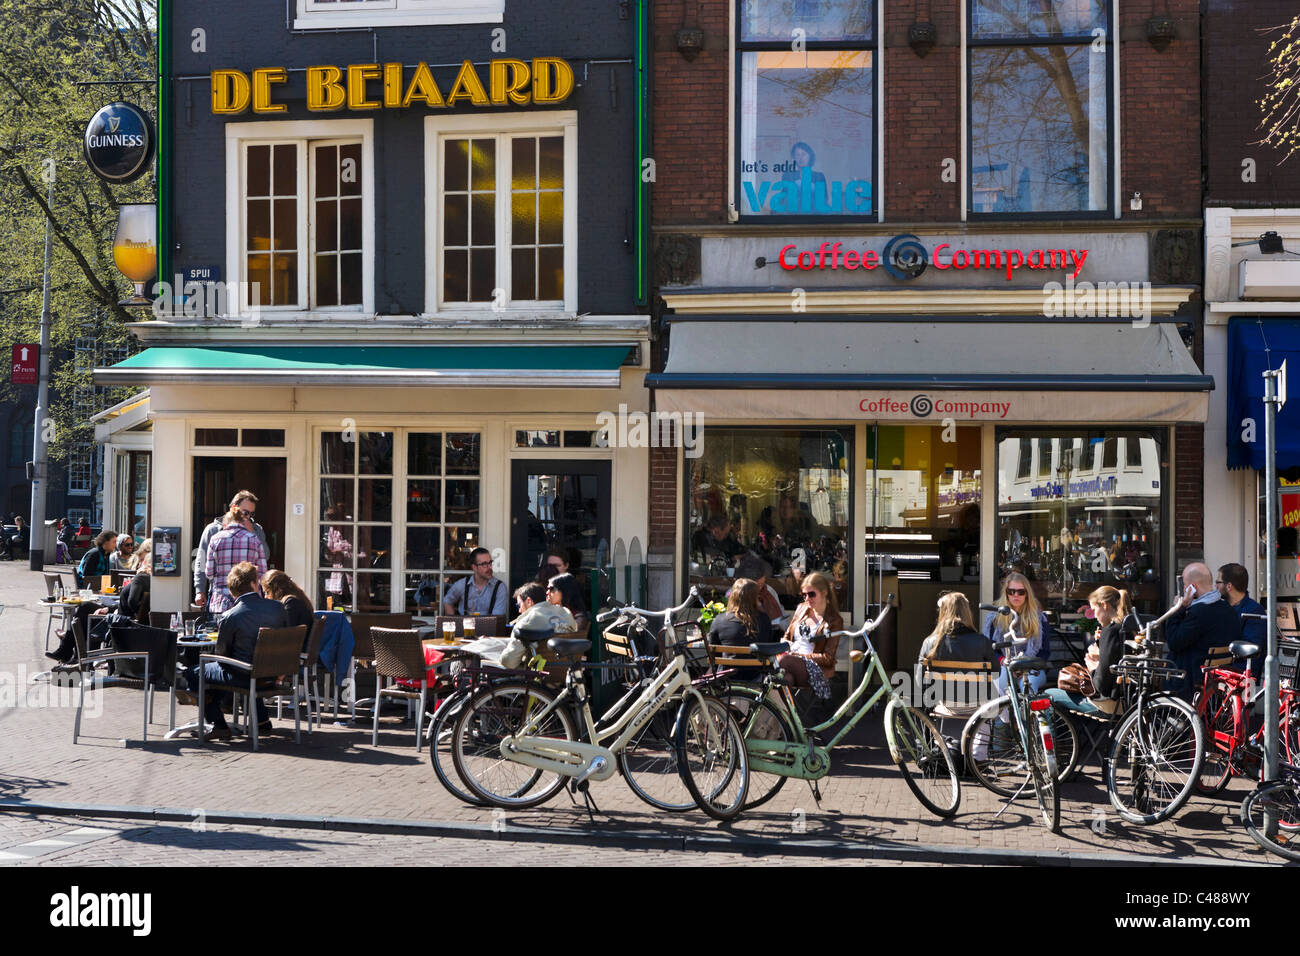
column 335, row 772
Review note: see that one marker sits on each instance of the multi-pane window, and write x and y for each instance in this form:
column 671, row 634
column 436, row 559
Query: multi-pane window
column 303, row 239
column 807, row 94
column 81, row 469
column 523, row 175
column 1040, row 136
column 435, row 524
column 332, row 14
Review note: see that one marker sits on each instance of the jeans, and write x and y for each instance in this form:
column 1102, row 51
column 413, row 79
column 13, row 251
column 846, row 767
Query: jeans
column 1070, row 701
column 213, row 671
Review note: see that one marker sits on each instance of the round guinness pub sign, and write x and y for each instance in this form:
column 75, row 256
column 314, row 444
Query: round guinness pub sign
column 119, row 143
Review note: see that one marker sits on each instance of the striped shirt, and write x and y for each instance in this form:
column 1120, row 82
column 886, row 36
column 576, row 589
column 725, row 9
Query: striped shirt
column 225, row 550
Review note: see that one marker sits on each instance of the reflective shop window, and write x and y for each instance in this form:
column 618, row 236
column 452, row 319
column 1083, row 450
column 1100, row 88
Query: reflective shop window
column 776, row 495
column 807, row 108
column 1082, row 526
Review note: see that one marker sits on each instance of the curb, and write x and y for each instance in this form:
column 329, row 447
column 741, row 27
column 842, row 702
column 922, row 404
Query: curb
column 623, row 839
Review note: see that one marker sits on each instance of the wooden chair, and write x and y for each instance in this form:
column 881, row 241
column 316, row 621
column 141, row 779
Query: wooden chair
column 278, row 653
column 399, row 655
column 963, row 686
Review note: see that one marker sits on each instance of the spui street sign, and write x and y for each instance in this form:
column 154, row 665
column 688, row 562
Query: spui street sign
column 26, row 360
column 119, row 143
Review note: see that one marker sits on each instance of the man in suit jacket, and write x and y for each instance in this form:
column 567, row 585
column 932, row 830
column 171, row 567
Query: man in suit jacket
column 237, row 638
column 1205, row 620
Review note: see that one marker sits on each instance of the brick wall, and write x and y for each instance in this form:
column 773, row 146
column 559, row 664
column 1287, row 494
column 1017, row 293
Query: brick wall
column 1235, row 52
column 663, row 498
column 1188, row 500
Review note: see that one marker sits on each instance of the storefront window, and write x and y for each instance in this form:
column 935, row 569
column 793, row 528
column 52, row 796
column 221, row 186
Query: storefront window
column 779, row 495
column 1081, row 527
column 1040, row 106
column 807, row 108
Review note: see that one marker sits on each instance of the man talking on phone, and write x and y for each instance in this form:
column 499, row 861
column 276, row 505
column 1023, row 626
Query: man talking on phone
column 1204, row 620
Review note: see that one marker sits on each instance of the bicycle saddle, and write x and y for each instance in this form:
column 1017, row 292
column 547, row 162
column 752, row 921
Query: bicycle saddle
column 768, row 651
column 532, row 635
column 1243, row 649
column 1027, row 664
column 567, row 646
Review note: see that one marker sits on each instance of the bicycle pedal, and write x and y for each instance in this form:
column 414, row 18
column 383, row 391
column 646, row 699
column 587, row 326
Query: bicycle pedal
column 597, row 765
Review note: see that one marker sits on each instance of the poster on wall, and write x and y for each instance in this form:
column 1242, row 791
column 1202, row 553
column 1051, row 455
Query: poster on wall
column 166, row 546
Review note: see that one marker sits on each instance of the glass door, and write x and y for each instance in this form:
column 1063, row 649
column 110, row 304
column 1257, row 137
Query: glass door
column 924, row 487
column 562, row 506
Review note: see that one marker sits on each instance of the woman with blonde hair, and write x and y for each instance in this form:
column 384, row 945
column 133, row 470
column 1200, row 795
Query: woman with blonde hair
column 1032, row 626
column 811, row 660
column 1111, row 607
column 954, row 637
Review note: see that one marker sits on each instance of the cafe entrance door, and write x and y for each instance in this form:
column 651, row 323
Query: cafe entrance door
column 216, row 479
column 562, row 505
column 924, row 487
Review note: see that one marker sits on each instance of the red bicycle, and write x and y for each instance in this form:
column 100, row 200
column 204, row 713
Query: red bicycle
column 1223, row 703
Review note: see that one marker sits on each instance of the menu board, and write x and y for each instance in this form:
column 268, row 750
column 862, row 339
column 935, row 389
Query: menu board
column 166, row 548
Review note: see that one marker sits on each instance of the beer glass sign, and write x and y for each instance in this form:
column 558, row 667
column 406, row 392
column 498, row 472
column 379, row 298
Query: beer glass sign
column 135, row 245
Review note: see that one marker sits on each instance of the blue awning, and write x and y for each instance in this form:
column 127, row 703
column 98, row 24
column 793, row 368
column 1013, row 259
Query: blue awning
column 1253, row 346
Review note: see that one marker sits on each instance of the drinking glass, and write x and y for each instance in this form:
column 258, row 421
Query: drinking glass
column 470, row 628
column 449, row 632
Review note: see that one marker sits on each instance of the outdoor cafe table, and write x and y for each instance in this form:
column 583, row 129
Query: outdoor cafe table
column 183, row 643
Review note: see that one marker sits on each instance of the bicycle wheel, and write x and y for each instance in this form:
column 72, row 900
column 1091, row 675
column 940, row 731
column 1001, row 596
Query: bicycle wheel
column 1220, row 714
column 711, row 756
column 993, row 753
column 922, row 757
column 1042, row 768
column 440, row 747
column 1279, row 801
column 1154, row 765
column 495, row 712
column 761, row 720
column 649, row 765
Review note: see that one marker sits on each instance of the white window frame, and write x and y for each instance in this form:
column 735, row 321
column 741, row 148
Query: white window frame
column 83, row 451
column 315, row 15
column 239, row 136
column 557, row 122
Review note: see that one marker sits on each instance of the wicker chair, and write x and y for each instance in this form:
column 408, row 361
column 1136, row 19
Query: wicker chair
column 363, row 651
column 278, row 652
column 399, row 655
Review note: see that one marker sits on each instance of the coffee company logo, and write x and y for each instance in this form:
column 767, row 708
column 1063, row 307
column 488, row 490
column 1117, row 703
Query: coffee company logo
column 119, row 143
column 921, row 406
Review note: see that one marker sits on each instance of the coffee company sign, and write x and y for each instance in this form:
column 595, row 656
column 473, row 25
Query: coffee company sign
column 371, row 86
column 119, row 143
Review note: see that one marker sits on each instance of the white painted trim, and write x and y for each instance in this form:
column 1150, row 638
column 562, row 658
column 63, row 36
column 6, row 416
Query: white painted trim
column 239, row 135
column 730, row 158
column 963, row 99
column 1115, row 115
column 399, row 13
column 564, row 122
column 878, row 66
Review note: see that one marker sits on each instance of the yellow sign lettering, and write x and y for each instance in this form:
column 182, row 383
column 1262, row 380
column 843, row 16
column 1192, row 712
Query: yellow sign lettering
column 262, row 80
column 392, row 85
column 552, row 80
column 357, row 77
column 423, row 88
column 510, row 81
column 467, row 87
column 324, row 91
column 230, row 92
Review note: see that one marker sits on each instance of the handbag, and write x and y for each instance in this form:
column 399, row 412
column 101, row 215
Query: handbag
column 1076, row 679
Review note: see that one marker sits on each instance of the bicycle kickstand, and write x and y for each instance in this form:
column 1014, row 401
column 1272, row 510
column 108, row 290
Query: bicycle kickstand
column 1010, row 800
column 588, row 803
column 816, row 793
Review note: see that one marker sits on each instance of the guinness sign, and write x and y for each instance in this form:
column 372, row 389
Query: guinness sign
column 119, row 143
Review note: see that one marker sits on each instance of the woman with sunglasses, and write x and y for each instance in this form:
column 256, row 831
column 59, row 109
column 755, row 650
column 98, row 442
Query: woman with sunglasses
column 811, row 660
column 1033, row 626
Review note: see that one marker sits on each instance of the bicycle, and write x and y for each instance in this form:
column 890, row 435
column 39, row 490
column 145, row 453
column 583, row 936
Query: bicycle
column 1271, row 813
column 996, row 749
column 510, row 731
column 780, row 746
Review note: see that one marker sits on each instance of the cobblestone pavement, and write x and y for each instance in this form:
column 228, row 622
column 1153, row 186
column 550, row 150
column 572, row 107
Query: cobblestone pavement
column 58, row 841
column 335, row 772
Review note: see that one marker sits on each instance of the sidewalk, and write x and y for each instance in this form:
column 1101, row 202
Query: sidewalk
column 865, row 807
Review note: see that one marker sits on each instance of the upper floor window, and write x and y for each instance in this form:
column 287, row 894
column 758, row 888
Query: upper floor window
column 503, row 220
column 326, row 14
column 806, row 91
column 1040, row 106
column 300, row 215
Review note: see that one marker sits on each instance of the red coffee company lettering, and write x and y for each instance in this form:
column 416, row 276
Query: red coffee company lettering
column 832, row 255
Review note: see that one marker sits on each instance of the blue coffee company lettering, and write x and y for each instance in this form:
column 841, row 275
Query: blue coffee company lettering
column 793, row 198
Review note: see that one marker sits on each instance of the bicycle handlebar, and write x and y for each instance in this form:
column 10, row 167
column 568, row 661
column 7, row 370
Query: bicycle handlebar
column 629, row 610
column 868, row 626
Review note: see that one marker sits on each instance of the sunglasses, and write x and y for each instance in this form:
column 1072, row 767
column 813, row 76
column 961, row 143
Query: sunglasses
column 1017, row 591
column 808, row 594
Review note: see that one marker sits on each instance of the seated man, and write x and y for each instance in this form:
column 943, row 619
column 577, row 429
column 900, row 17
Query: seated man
column 1205, row 620
column 237, row 638
column 715, row 541
column 537, row 613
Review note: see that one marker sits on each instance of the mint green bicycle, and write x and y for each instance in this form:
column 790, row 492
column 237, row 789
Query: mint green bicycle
column 780, row 746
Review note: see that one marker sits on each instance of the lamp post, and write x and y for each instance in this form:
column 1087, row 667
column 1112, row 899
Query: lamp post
column 40, row 448
column 1274, row 399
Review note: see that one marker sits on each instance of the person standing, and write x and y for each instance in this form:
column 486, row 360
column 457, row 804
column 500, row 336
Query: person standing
column 236, row 544
column 483, row 593
column 243, row 508
column 1204, row 620
column 1233, row 582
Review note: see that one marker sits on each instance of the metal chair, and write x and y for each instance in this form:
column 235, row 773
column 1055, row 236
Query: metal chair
column 53, row 581
column 278, row 652
column 155, row 649
column 399, row 655
column 308, row 663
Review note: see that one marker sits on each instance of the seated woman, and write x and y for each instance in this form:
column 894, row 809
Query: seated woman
column 563, row 590
column 135, row 596
column 537, row 613
column 94, row 563
column 278, row 586
column 95, row 619
column 811, row 660
column 954, row 639
column 742, row 623
column 1112, row 607
column 1033, row 627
